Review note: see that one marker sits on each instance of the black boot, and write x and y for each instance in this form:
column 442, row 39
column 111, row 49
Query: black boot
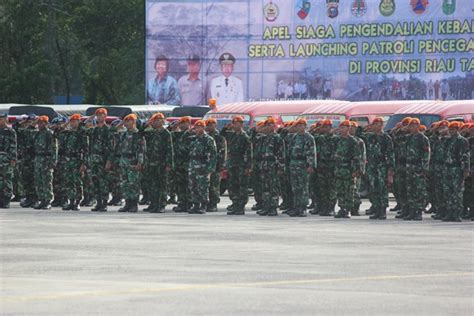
column 383, row 213
column 68, row 205
column 316, row 209
column 263, row 212
column 2, row 202
column 375, row 214
column 339, row 214
column 75, row 205
column 133, row 206
column 202, row 208
column 194, row 209
column 456, row 216
column 144, row 200
column 27, row 202
column 45, row 205
column 237, row 210
column 418, row 215
column 257, row 207
column 411, row 215
column 126, row 207
column 272, row 212
column 38, row 204
column 302, row 212
column 58, row 201
column 211, row 207
column 403, row 213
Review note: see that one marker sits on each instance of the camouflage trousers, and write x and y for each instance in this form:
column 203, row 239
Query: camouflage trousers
column 88, row 187
column 114, row 181
column 468, row 197
column 378, row 190
column 59, row 179
column 130, row 185
column 43, row 178
column 199, row 179
column 285, row 188
column 27, row 172
column 99, row 180
column 325, row 184
column 257, row 185
column 17, row 184
column 73, row 179
column 357, row 200
column 6, row 182
column 314, row 189
column 270, row 190
column 416, row 189
column 238, row 186
column 437, row 196
column 215, row 188
column 454, row 189
column 155, row 177
column 345, row 186
column 299, row 184
column 400, row 186
column 181, row 183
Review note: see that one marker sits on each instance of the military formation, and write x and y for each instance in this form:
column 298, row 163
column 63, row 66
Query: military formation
column 80, row 161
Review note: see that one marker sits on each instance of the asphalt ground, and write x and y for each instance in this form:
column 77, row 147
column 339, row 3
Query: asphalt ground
column 83, row 263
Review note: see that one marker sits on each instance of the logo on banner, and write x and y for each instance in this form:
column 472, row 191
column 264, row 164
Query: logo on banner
column 303, row 7
column 449, row 6
column 270, row 11
column 387, row 7
column 419, row 6
column 332, row 10
column 359, row 8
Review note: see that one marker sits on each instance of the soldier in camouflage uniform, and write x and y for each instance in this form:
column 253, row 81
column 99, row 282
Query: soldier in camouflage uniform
column 215, row 182
column 302, row 163
column 88, row 186
column 238, row 165
column 158, row 162
column 457, row 164
column 286, row 134
column 172, row 127
column 256, row 138
column 437, row 170
column 380, row 166
column 8, row 157
column 114, row 174
column 100, row 159
column 181, row 140
column 399, row 137
column 271, row 167
column 25, row 135
column 202, row 162
column 131, row 147
column 363, row 158
column 75, row 146
column 347, row 157
column 59, row 174
column 45, row 148
column 468, row 199
column 417, row 168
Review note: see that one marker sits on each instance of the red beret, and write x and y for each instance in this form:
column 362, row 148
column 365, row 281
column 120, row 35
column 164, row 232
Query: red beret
column 200, row 123
column 132, row 117
column 43, row 118
column 101, row 111
column 378, row 120
column 75, row 117
column 345, row 123
column 415, row 121
column 238, row 119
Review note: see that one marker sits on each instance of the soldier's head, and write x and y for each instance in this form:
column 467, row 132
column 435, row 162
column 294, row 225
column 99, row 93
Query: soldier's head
column 414, row 126
column 377, row 125
column 227, row 62
column 74, row 121
column 325, row 126
column 270, row 125
column 130, row 121
column 211, row 125
column 193, row 64
column 3, row 119
column 454, row 127
column 353, row 128
column 300, row 125
column 443, row 128
column 184, row 123
column 344, row 127
column 43, row 121
column 157, row 120
column 161, row 65
column 101, row 115
column 199, row 127
column 237, row 123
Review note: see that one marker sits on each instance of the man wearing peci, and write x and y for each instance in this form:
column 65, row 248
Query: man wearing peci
column 227, row 88
column 191, row 87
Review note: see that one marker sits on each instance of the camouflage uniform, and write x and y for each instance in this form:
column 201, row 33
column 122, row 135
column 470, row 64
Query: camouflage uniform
column 457, row 161
column 417, row 169
column 26, row 155
column 100, row 151
column 59, row 173
column 181, row 140
column 215, row 182
column 158, row 156
column 45, row 149
column 301, row 156
column 468, row 199
column 437, row 173
column 347, row 155
column 359, row 177
column 285, row 185
column 202, row 162
column 257, row 145
column 239, row 159
column 400, row 176
column 272, row 161
column 324, row 181
column 8, row 153
column 114, row 176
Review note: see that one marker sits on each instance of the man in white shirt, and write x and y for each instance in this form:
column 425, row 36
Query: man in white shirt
column 227, row 88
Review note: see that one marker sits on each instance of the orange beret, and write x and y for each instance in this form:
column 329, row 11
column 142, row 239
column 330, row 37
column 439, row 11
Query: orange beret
column 185, row 119
column 271, row 120
column 200, row 123
column 132, row 117
column 415, row 121
column 318, row 123
column 212, row 102
column 354, row 124
column 260, row 123
column 157, row 116
column 345, row 123
column 211, row 121
column 406, row 120
column 301, row 121
column 435, row 125
column 422, row 128
column 326, row 122
column 238, row 119
column 101, row 111
column 455, row 124
column 443, row 123
column 286, row 124
column 378, row 119
column 43, row 118
column 75, row 116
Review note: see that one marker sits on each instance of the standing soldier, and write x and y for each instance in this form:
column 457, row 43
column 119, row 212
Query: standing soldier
column 271, row 167
column 88, row 186
column 400, row 136
column 286, row 133
column 380, row 165
column 45, row 159
column 202, row 162
column 417, row 170
column 363, row 158
column 238, row 164
column 59, row 173
column 347, row 157
column 158, row 162
column 114, row 174
column 215, row 182
column 181, row 139
column 75, row 146
column 100, row 159
column 302, row 163
column 26, row 155
column 8, row 157
column 438, row 170
column 457, row 170
column 132, row 155
column 256, row 138
column 469, row 184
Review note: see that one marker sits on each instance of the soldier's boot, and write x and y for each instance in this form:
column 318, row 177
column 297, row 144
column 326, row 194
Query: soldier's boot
column 126, row 207
column 355, row 212
column 370, row 211
column 411, row 215
column 114, row 200
column 2, row 201
column 144, row 200
column 75, row 205
column 231, row 207
column 339, row 214
column 37, row 205
column 202, row 208
column 375, row 213
column 27, row 202
column 85, row 200
column 58, row 201
column 397, row 208
column 263, row 212
column 456, row 217
column 346, row 214
column 272, row 212
column 302, row 212
column 316, row 210
column 447, row 216
column 98, row 206
column 257, row 207
column 383, row 213
column 466, row 214
column 237, row 210
column 181, row 208
column 151, row 208
column 45, row 205
column 133, row 206
column 211, row 207
column 194, row 209
column 68, row 205
column 404, row 212
column 418, row 215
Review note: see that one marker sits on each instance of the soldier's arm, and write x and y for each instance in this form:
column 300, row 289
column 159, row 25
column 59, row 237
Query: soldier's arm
column 54, row 149
column 222, row 154
column 311, row 154
column 141, row 150
column 426, row 154
column 169, row 151
column 356, row 158
column 212, row 154
column 12, row 150
column 248, row 154
column 465, row 156
column 390, row 153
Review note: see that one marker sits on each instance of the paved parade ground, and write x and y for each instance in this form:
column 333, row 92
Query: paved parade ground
column 83, row 263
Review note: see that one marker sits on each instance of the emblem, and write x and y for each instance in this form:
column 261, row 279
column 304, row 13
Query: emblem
column 419, row 6
column 332, row 8
column 387, row 7
column 359, row 8
column 449, row 6
column 270, row 11
column 302, row 8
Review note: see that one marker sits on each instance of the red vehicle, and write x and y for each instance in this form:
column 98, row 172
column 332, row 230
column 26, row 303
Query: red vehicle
column 430, row 112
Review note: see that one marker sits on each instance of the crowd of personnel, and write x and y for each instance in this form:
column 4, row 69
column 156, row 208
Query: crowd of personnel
column 90, row 163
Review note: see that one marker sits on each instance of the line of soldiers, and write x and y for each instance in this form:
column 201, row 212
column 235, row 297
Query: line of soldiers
column 85, row 162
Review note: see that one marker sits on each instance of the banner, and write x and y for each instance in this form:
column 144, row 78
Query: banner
column 286, row 49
